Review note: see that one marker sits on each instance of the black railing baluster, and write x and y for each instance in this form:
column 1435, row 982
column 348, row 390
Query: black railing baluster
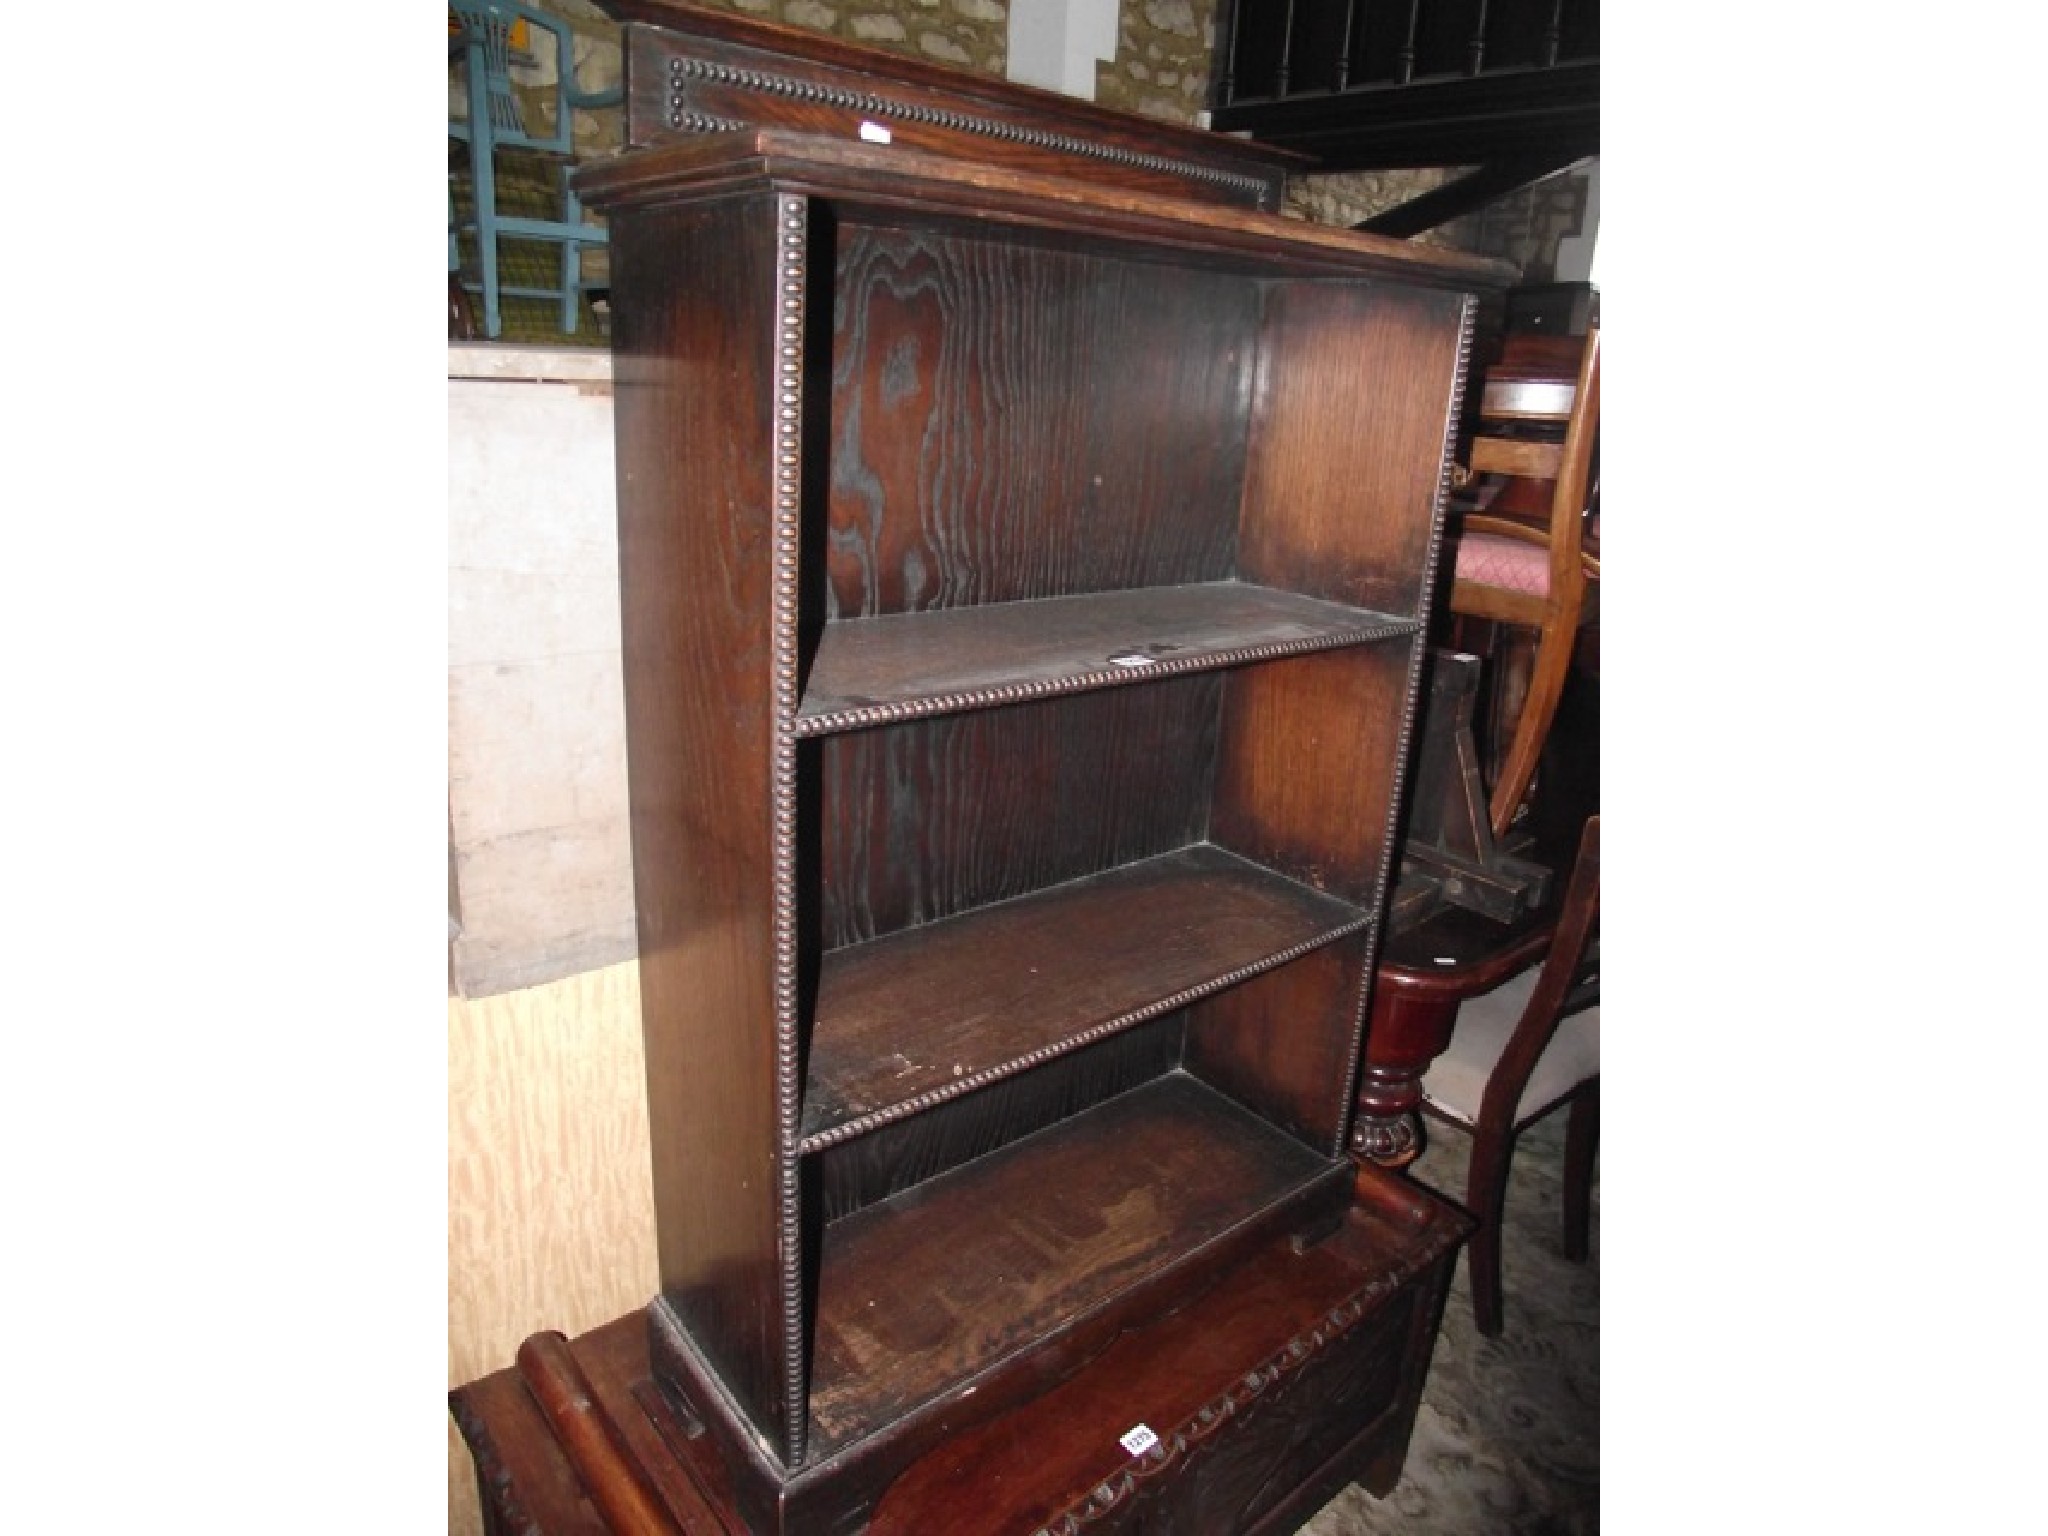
column 1404, row 68
column 1344, row 46
column 1477, row 61
column 1225, row 89
column 1286, row 51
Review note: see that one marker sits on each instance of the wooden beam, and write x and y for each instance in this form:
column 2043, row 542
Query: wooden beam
column 1455, row 199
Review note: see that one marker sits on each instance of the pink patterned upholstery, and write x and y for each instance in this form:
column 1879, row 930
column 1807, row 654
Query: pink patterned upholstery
column 1493, row 560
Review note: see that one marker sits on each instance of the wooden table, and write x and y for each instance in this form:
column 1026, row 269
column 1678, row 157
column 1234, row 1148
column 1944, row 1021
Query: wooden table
column 1261, row 1399
column 1441, row 949
column 1424, row 973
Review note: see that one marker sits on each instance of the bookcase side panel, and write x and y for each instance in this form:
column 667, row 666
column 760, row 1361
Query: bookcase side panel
column 1015, row 421
column 1357, row 391
column 1306, row 766
column 694, row 347
column 1306, row 779
column 1281, row 1043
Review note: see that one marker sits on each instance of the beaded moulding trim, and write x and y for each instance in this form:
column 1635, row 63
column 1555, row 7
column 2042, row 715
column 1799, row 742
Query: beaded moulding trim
column 761, row 82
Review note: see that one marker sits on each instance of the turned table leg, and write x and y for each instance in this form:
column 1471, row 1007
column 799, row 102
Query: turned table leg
column 1406, row 1031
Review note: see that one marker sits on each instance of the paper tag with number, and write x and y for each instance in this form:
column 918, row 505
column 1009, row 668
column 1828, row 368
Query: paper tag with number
column 1138, row 1440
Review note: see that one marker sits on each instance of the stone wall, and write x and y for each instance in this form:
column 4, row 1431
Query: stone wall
column 1161, row 68
column 1523, row 228
column 1163, row 53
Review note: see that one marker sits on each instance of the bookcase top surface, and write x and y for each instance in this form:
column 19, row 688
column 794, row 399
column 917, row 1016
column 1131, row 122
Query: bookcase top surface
column 892, row 181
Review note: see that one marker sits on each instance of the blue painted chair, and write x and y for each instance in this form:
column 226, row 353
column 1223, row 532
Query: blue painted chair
column 481, row 39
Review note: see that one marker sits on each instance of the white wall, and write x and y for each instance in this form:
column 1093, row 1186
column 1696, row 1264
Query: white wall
column 1056, row 44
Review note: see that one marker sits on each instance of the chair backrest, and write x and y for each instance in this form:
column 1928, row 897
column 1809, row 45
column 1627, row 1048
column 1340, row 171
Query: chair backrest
column 1564, row 984
column 489, row 33
column 1515, row 400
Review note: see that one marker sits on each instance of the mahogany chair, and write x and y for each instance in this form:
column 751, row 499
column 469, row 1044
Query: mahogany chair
column 1517, row 1053
column 1542, row 575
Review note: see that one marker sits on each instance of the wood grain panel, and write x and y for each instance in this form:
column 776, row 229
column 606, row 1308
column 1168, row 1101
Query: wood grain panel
column 1503, row 456
column 1014, row 423
column 892, row 1159
column 931, row 818
column 694, row 350
column 926, row 1015
column 909, row 664
column 1306, row 765
column 1027, row 1238
column 694, row 67
column 1282, row 1043
column 550, row 1211
column 1348, row 441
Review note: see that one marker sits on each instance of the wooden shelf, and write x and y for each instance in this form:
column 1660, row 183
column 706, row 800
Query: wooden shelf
column 925, row 1291
column 913, row 1019
column 905, row 666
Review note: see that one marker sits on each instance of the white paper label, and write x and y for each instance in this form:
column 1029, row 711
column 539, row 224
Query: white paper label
column 874, row 133
column 1138, row 1440
column 1131, row 659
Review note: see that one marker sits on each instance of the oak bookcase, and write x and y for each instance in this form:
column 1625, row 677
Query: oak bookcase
column 1026, row 540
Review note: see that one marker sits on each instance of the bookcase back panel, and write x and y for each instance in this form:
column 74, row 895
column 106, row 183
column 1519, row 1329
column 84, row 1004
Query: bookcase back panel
column 696, row 650
column 934, row 817
column 1348, row 442
column 1281, row 1043
column 1306, row 765
column 885, row 1162
column 1012, row 421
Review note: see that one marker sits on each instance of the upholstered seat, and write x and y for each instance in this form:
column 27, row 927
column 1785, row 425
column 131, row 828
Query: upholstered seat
column 1495, row 560
column 1456, row 1082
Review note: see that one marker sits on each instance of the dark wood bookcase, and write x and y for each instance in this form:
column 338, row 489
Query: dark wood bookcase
column 1025, row 564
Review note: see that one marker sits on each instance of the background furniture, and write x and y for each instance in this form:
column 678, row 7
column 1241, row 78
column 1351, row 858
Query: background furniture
column 1536, row 576
column 1448, row 850
column 1444, row 946
column 1017, row 702
column 497, row 125
column 1522, row 1051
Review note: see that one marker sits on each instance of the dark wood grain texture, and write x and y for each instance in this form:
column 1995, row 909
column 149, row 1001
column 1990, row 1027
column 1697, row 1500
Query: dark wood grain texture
column 858, row 1172
column 1000, row 997
column 693, row 542
column 956, row 359
column 908, row 189
column 933, row 818
column 1020, row 1244
column 690, row 70
column 914, row 664
column 1307, row 765
column 910, row 1020
column 1271, row 1042
column 1340, row 472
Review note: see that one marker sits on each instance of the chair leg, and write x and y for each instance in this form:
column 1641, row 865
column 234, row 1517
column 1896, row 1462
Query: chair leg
column 1581, row 1140
column 483, row 177
column 1539, row 706
column 1485, row 1193
column 572, row 261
